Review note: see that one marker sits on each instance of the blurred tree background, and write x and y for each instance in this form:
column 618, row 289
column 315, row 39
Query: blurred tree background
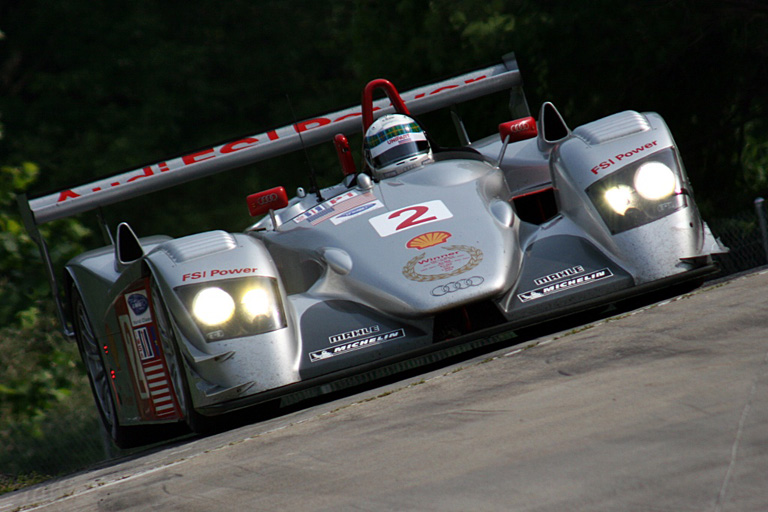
column 92, row 88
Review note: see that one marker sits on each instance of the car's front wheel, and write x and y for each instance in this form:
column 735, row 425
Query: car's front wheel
column 91, row 352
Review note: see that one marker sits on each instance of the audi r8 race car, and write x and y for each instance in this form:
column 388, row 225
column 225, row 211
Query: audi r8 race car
column 416, row 247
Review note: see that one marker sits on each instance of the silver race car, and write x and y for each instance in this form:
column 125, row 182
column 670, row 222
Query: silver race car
column 419, row 246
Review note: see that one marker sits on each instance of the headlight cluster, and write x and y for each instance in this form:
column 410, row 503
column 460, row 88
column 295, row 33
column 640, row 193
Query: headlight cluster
column 231, row 308
column 639, row 194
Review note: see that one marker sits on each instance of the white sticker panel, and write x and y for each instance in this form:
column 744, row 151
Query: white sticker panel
column 414, row 216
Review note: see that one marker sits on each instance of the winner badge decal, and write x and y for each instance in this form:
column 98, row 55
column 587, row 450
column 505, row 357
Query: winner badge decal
column 451, row 261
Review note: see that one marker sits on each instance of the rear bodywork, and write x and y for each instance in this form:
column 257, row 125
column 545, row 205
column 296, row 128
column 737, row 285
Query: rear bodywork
column 505, row 229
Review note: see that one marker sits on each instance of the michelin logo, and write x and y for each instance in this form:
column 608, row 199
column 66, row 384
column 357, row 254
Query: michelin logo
column 327, row 353
column 566, row 284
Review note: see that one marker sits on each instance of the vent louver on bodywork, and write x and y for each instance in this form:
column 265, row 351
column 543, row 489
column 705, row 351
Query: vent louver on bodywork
column 612, row 127
column 196, row 246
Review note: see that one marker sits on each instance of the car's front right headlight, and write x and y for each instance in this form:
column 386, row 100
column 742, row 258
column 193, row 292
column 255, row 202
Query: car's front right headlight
column 640, row 193
column 232, row 308
column 655, row 181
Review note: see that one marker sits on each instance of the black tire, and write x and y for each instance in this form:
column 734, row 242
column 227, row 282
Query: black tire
column 177, row 370
column 98, row 376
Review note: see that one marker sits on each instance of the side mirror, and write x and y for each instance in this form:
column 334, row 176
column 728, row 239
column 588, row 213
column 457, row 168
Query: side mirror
column 261, row 203
column 515, row 131
column 127, row 247
column 519, row 129
column 344, row 154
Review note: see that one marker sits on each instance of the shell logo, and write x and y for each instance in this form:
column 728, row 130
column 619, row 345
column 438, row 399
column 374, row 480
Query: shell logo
column 428, row 240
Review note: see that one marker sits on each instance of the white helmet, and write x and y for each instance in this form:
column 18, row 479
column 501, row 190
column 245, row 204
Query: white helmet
column 393, row 144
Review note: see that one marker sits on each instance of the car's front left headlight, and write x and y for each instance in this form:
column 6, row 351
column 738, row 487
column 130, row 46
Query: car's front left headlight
column 641, row 193
column 213, row 306
column 232, row 308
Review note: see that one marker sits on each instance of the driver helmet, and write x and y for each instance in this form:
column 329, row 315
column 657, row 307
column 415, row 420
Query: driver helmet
column 393, row 144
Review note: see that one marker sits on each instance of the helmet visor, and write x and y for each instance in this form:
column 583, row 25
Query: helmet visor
column 396, row 143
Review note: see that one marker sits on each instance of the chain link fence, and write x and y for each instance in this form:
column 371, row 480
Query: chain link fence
column 745, row 235
column 70, row 438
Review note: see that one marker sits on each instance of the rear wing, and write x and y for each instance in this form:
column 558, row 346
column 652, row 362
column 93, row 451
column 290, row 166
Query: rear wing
column 248, row 150
column 262, row 146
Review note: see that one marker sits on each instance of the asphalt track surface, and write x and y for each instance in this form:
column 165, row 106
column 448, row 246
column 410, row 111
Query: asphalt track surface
column 661, row 409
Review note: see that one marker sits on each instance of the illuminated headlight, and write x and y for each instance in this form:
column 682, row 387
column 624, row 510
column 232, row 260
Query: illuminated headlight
column 654, row 180
column 256, row 302
column 619, row 198
column 639, row 194
column 232, row 308
column 213, row 306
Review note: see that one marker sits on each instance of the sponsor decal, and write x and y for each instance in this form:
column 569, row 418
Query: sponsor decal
column 556, row 276
column 133, row 356
column 428, row 240
column 461, row 284
column 334, row 206
column 146, row 367
column 357, row 211
column 144, row 345
column 266, row 199
column 521, row 125
column 410, row 217
column 350, row 335
column 218, row 273
column 456, row 260
column 623, row 156
column 138, row 307
column 564, row 285
column 327, row 353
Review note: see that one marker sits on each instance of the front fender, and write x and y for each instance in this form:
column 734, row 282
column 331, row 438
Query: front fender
column 663, row 235
column 229, row 368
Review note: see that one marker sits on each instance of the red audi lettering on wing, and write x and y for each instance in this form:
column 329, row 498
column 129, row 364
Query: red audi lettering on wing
column 238, row 145
column 67, row 194
column 353, row 114
column 311, row 123
column 192, row 158
column 147, row 172
column 475, row 79
column 441, row 89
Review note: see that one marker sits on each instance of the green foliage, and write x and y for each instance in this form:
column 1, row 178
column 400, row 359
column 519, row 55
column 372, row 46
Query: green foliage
column 23, row 283
column 754, row 156
column 48, row 424
column 38, row 367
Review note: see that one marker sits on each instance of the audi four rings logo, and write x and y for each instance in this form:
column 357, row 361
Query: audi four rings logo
column 262, row 200
column 455, row 286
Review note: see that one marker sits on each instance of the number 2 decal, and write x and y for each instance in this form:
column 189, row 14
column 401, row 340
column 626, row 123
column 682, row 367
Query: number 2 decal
column 416, row 218
column 410, row 217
